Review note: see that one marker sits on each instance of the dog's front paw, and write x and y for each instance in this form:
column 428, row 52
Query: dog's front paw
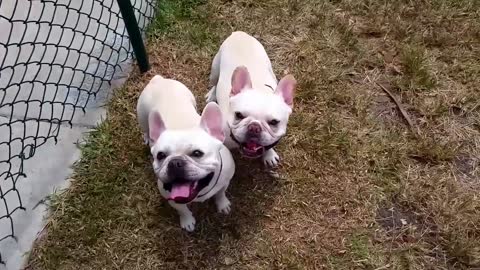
column 224, row 206
column 187, row 222
column 271, row 158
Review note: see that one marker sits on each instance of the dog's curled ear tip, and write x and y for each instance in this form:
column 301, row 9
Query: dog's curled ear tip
column 291, row 78
column 212, row 121
column 156, row 78
column 212, row 108
column 289, row 81
column 241, row 69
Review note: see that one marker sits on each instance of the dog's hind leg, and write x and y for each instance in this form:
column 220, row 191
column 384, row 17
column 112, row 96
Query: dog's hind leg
column 215, row 72
column 211, row 96
column 187, row 221
column 214, row 75
column 146, row 139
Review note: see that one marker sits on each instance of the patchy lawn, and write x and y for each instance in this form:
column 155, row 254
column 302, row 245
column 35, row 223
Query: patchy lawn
column 359, row 186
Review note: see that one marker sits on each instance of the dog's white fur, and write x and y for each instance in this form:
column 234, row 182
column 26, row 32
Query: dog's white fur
column 240, row 77
column 167, row 116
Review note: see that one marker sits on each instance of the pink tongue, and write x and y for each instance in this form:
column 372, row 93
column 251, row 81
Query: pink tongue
column 252, row 146
column 180, row 191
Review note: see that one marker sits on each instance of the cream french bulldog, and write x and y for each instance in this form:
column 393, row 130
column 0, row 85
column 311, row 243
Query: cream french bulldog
column 255, row 106
column 189, row 158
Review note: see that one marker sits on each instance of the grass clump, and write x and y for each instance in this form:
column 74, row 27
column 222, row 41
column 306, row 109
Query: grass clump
column 416, row 68
column 184, row 19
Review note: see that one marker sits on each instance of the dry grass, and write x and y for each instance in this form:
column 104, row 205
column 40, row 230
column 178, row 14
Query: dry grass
column 357, row 189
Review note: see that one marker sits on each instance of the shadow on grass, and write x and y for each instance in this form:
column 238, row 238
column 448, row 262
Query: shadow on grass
column 250, row 193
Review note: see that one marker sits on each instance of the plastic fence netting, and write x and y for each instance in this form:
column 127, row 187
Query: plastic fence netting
column 55, row 57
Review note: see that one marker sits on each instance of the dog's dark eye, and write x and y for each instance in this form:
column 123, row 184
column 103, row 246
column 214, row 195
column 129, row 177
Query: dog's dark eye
column 197, row 154
column 273, row 122
column 239, row 116
column 161, row 156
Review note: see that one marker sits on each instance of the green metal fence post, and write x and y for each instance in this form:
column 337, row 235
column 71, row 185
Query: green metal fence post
column 134, row 33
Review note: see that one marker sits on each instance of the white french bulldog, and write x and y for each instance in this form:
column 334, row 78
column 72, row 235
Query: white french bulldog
column 256, row 108
column 190, row 160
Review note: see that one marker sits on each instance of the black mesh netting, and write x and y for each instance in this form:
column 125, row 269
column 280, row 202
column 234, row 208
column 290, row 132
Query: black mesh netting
column 55, row 56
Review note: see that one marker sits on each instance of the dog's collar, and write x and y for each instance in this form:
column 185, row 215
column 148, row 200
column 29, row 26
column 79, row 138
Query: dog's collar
column 268, row 147
column 269, row 86
column 218, row 177
column 234, row 139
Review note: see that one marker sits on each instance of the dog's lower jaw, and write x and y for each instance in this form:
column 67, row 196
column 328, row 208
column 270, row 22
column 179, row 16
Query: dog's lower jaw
column 187, row 221
column 270, row 158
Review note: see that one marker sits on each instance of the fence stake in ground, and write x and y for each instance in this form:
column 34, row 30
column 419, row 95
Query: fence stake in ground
column 134, row 33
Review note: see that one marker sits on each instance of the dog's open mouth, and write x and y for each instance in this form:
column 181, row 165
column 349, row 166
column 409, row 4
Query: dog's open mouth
column 252, row 149
column 182, row 191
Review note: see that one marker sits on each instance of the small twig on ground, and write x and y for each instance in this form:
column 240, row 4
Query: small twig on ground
column 383, row 267
column 400, row 107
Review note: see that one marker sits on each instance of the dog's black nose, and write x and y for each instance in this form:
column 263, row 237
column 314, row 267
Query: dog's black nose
column 176, row 163
column 175, row 168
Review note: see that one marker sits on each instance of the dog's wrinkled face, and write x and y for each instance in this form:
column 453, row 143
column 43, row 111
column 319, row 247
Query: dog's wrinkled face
column 185, row 161
column 258, row 118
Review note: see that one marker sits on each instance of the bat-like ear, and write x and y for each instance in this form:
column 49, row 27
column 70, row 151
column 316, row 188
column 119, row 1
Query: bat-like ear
column 212, row 121
column 240, row 80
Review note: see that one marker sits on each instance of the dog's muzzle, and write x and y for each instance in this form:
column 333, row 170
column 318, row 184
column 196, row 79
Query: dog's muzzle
column 182, row 191
column 251, row 148
column 182, row 188
column 176, row 168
